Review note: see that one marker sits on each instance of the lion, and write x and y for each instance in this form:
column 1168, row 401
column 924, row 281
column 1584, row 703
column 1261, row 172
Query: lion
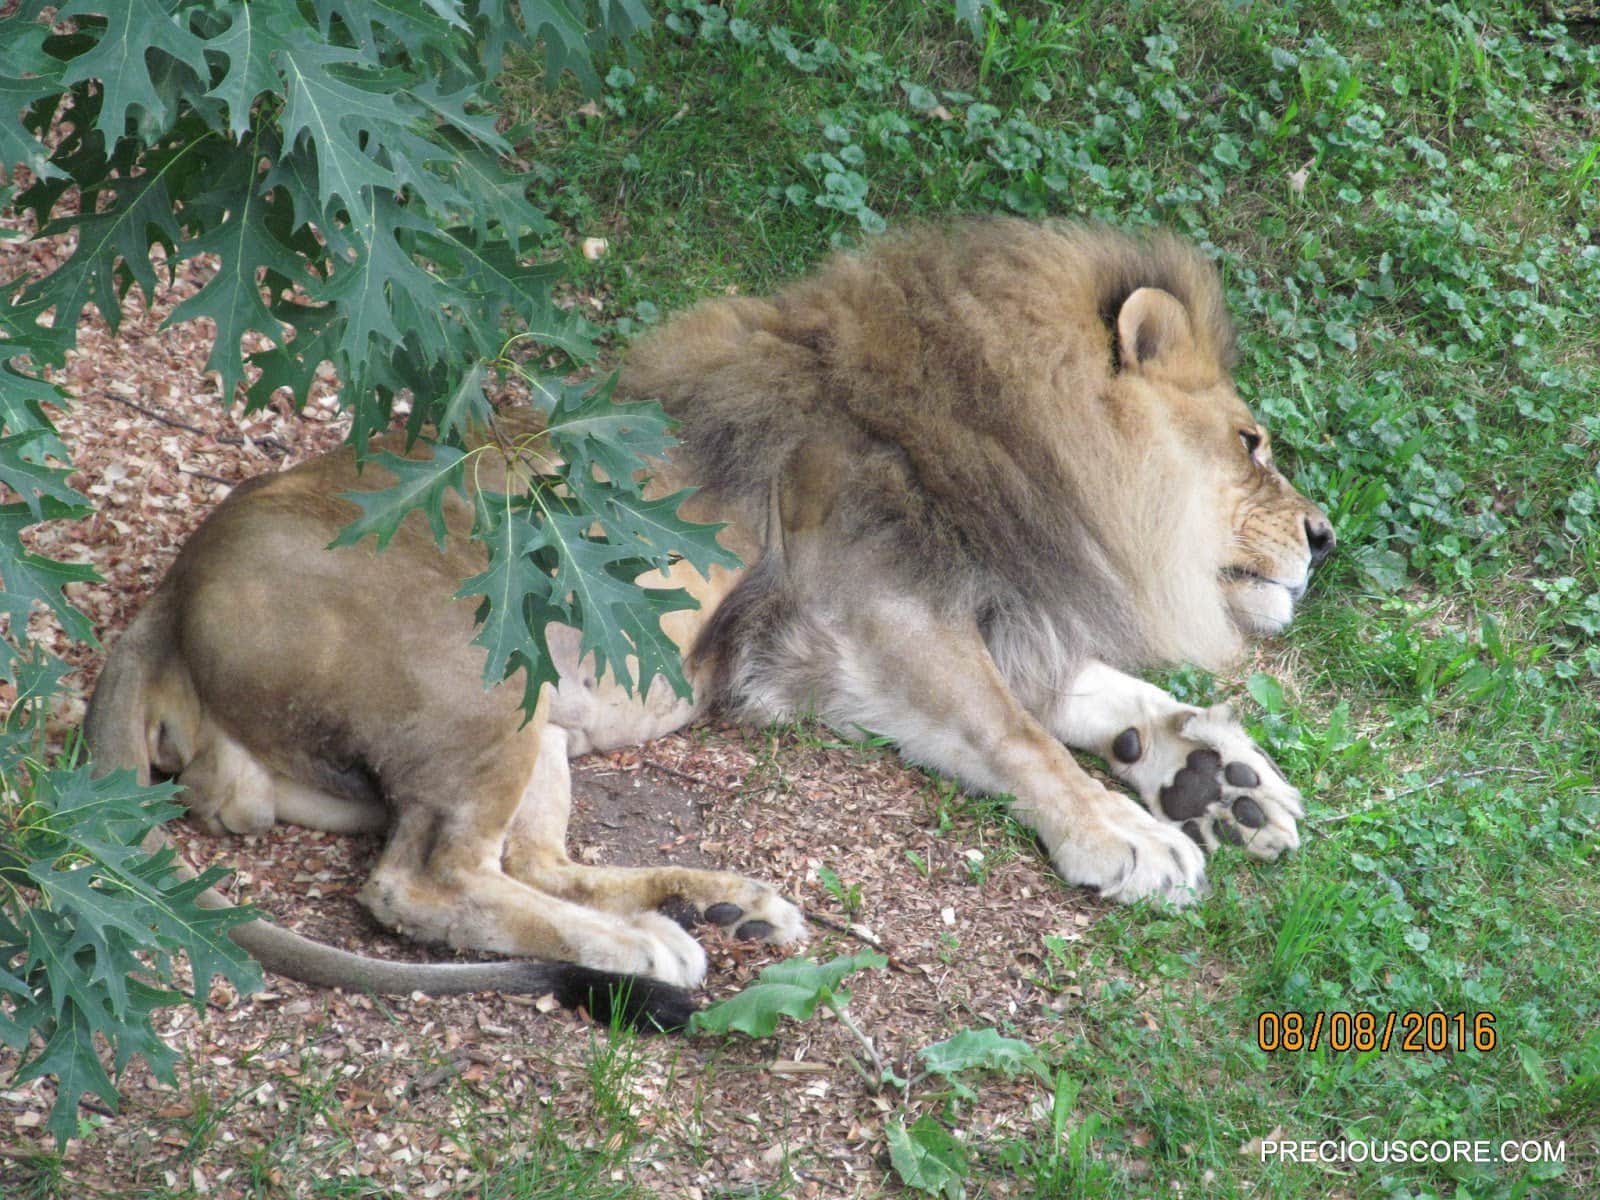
column 979, row 474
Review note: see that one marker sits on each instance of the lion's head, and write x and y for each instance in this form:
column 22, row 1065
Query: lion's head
column 1246, row 537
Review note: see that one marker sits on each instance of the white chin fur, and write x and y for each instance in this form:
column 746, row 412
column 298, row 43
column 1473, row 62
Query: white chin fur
column 1260, row 608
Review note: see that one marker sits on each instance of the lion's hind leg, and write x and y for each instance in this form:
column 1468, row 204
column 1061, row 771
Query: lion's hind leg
column 535, row 853
column 438, row 886
column 440, row 878
column 1195, row 767
column 227, row 788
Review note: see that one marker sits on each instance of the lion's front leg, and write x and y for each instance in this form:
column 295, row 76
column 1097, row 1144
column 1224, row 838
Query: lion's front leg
column 1195, row 767
column 932, row 687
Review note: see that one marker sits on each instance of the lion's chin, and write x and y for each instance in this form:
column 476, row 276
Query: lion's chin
column 1260, row 607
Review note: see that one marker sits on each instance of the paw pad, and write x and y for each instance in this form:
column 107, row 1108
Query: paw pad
column 1194, row 788
column 725, row 913
column 1203, row 774
column 1127, row 748
column 1241, row 775
column 1246, row 811
column 680, row 910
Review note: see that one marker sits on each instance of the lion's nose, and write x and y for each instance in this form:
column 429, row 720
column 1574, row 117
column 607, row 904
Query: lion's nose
column 1319, row 536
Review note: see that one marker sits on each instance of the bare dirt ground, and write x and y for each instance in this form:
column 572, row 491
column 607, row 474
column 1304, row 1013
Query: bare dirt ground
column 281, row 1088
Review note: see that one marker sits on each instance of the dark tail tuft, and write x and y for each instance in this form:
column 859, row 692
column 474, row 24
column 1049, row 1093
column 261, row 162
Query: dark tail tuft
column 631, row 1000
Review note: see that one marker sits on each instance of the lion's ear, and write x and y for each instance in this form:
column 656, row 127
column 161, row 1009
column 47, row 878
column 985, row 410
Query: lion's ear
column 1153, row 328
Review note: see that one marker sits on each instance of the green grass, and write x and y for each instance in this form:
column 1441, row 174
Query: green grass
column 1403, row 201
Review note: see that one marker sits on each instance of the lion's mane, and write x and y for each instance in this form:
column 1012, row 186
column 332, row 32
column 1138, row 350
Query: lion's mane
column 957, row 379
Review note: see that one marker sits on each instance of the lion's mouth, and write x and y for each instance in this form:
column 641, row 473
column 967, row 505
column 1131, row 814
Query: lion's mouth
column 1246, row 575
column 1261, row 605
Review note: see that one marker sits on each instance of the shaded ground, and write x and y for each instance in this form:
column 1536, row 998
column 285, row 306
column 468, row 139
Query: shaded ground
column 634, row 811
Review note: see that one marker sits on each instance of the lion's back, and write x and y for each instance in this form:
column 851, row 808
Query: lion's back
column 989, row 328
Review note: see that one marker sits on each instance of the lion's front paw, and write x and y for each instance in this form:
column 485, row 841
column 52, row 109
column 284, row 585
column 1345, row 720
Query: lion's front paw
column 1127, row 856
column 650, row 944
column 1209, row 778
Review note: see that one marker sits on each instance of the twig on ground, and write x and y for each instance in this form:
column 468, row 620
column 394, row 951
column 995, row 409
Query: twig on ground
column 212, row 478
column 266, row 440
column 656, row 764
column 848, row 930
column 1447, row 777
column 156, row 416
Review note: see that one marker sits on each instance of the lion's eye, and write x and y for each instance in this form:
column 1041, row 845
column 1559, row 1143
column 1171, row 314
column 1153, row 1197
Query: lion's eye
column 1251, row 440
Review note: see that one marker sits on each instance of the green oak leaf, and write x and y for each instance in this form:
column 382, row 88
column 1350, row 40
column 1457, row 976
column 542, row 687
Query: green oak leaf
column 107, row 963
column 565, row 32
column 258, row 32
column 325, row 108
column 595, row 434
column 616, row 619
column 28, row 75
column 515, row 591
column 106, row 816
column 114, row 242
column 13, row 1034
column 22, row 472
column 656, row 523
column 27, row 579
column 487, row 282
column 84, row 849
column 137, row 1035
column 500, row 197
column 202, row 933
column 385, row 290
column 121, row 61
column 449, row 109
column 420, row 29
column 70, row 1056
column 80, row 891
column 244, row 246
column 419, row 483
column 23, row 396
column 466, row 405
column 572, row 553
column 35, row 675
column 292, row 365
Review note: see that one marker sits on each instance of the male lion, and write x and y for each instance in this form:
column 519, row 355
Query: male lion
column 976, row 473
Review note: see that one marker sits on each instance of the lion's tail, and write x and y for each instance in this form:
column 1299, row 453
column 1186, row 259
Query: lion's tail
column 630, row 1000
column 126, row 727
